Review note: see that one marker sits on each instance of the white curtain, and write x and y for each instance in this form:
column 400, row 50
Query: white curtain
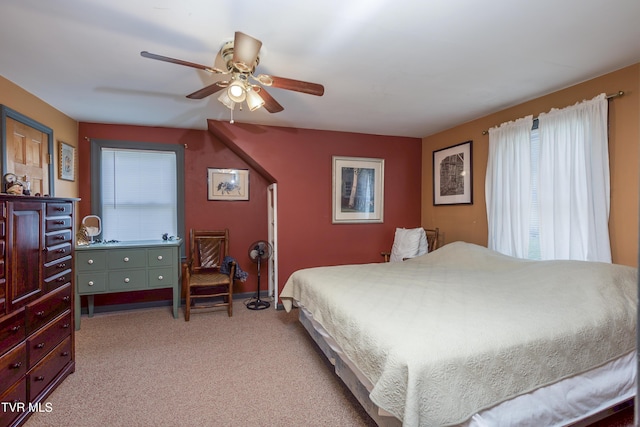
column 574, row 189
column 507, row 187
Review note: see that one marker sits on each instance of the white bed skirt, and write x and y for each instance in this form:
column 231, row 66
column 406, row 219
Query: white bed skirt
column 578, row 400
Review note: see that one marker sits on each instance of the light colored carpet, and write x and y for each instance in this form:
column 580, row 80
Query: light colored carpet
column 257, row 368
column 145, row 368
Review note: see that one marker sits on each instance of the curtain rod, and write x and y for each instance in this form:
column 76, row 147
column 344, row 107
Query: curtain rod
column 614, row 95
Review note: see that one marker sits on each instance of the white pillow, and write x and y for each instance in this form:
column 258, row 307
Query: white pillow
column 406, row 243
column 423, row 248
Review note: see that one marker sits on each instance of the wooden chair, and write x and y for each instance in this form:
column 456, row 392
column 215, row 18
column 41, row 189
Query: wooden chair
column 432, row 242
column 203, row 278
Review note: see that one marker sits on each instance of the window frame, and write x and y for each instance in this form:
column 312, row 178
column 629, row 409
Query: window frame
column 96, row 173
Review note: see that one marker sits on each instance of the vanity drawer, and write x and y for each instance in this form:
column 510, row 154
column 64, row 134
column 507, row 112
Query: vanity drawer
column 160, row 277
column 127, row 258
column 90, row 283
column 46, row 339
column 48, row 368
column 42, row 311
column 91, row 261
column 127, row 280
column 13, row 365
column 161, row 257
column 12, row 329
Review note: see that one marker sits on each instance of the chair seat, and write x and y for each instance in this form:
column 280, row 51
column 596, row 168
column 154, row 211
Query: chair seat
column 208, row 279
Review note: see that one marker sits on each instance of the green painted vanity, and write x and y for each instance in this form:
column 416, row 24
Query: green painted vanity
column 105, row 268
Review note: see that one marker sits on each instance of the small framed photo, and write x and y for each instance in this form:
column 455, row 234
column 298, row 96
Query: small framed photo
column 453, row 175
column 67, row 158
column 358, row 190
column 228, row 184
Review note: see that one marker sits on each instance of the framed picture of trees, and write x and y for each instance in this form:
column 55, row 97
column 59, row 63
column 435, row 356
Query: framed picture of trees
column 358, row 190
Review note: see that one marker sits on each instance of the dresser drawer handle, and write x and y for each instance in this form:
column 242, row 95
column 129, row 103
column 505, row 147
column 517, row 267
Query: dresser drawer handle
column 65, row 326
column 39, row 378
column 159, row 257
column 15, row 328
column 62, row 265
column 61, row 279
column 90, row 283
column 58, row 222
column 40, row 345
column 160, row 277
column 64, row 354
column 16, row 365
column 126, row 259
column 66, row 298
column 61, row 251
column 126, row 280
column 61, row 237
column 90, row 261
column 40, row 313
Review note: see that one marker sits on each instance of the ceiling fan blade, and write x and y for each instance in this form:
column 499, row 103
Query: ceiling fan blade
column 245, row 51
column 270, row 104
column 206, row 91
column 291, row 84
column 179, row 62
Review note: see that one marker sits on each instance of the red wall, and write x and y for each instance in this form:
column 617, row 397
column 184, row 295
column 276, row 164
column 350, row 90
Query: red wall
column 300, row 161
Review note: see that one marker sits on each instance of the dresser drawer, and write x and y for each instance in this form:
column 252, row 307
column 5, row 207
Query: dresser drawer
column 51, row 283
column 58, row 266
column 12, row 329
column 42, row 311
column 53, row 224
column 56, row 252
column 62, row 208
column 13, row 365
column 47, row 338
column 161, row 257
column 160, row 277
column 90, row 283
column 55, row 238
column 127, row 258
column 91, row 260
column 127, row 280
column 17, row 393
column 48, row 368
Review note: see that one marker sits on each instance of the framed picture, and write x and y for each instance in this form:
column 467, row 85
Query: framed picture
column 67, row 158
column 453, row 175
column 17, row 129
column 358, row 190
column 228, row 184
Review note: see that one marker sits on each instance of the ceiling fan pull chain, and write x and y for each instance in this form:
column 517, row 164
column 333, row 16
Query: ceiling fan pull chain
column 231, row 121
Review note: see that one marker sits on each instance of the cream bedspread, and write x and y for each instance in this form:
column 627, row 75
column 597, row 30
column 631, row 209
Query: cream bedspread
column 463, row 328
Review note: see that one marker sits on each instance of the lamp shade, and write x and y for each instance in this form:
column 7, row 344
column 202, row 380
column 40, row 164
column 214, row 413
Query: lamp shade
column 228, row 102
column 237, row 91
column 254, row 101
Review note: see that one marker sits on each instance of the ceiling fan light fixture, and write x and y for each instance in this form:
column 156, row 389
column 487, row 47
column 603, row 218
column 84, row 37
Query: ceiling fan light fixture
column 237, row 91
column 254, row 100
column 226, row 100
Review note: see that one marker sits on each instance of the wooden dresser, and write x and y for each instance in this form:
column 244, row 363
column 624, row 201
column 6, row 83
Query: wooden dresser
column 37, row 240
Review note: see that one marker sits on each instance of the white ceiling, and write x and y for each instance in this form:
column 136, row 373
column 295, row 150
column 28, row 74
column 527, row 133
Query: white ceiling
column 389, row 67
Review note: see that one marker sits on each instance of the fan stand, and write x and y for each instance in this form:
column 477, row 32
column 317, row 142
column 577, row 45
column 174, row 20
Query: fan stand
column 258, row 304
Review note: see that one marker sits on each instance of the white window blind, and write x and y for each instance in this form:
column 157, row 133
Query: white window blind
column 138, row 194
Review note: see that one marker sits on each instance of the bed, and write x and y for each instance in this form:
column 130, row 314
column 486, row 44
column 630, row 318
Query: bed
column 465, row 336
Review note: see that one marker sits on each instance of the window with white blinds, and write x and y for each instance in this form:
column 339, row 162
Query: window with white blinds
column 138, row 194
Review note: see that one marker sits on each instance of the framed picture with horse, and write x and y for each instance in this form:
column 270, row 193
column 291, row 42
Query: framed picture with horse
column 228, row 184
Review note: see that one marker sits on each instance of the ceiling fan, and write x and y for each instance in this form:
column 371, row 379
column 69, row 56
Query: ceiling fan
column 238, row 60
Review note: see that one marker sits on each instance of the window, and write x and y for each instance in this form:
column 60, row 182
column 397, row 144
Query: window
column 534, row 213
column 137, row 189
